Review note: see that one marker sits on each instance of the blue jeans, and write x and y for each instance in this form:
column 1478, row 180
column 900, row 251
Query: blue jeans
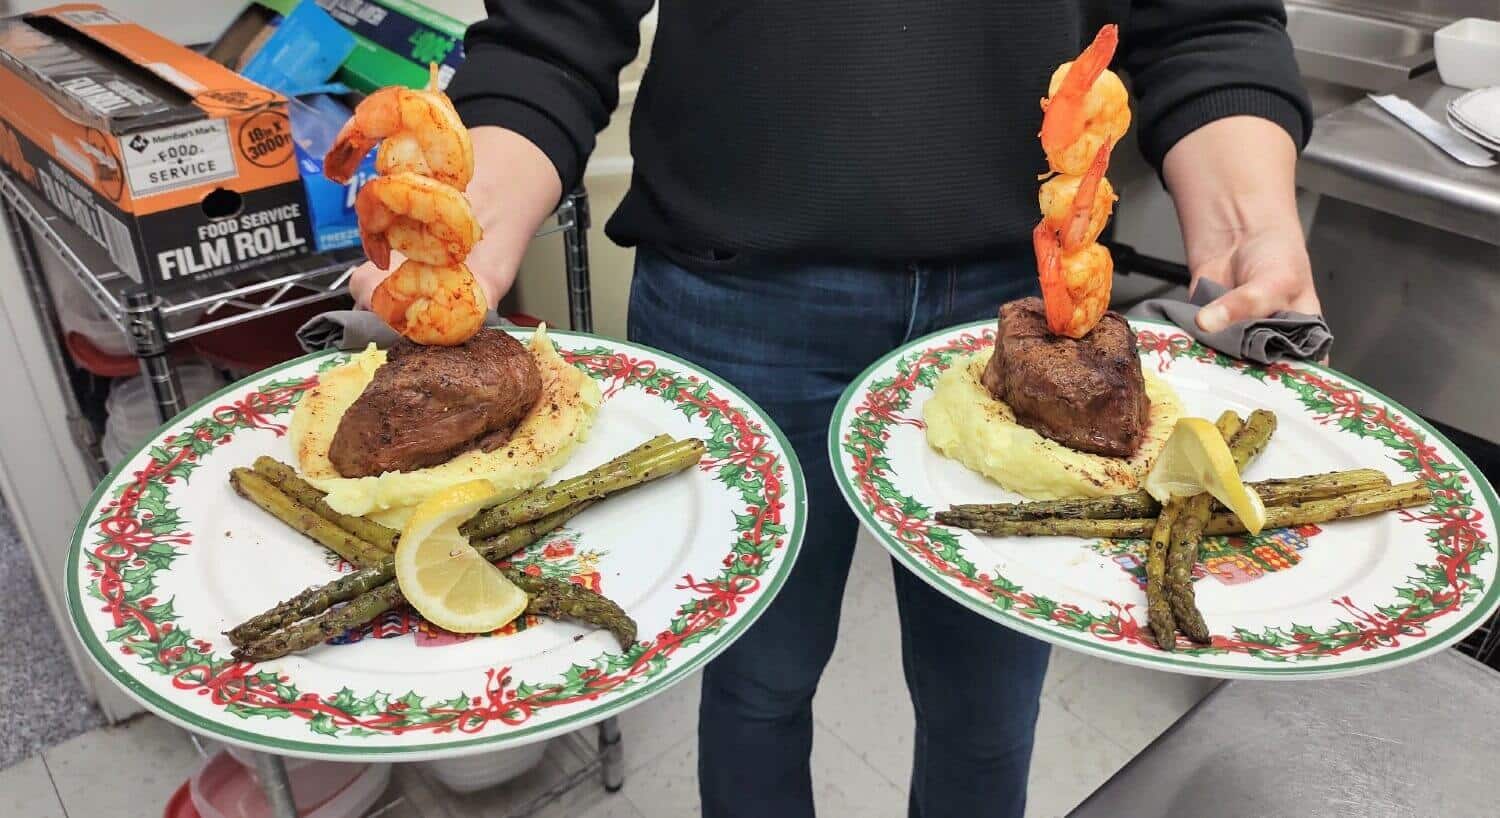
column 792, row 336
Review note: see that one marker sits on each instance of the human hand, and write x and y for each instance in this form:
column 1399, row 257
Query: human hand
column 1266, row 270
column 365, row 278
column 1233, row 181
column 515, row 187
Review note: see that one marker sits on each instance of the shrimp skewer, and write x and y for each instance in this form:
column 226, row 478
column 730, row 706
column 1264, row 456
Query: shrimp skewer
column 1086, row 112
column 1075, row 286
column 421, row 219
column 418, row 131
column 434, row 305
column 415, row 206
column 1078, row 207
column 1086, row 108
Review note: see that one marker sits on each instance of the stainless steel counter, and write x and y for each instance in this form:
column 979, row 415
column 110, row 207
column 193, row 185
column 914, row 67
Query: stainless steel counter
column 1420, row 739
column 1363, row 155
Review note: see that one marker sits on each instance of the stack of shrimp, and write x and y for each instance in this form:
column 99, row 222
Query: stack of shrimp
column 1085, row 113
column 416, row 207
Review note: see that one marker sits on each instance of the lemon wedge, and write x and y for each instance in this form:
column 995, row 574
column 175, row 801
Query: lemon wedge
column 444, row 577
column 1196, row 459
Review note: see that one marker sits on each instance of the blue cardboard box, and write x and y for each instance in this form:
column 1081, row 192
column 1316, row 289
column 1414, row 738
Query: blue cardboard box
column 315, row 121
column 303, row 50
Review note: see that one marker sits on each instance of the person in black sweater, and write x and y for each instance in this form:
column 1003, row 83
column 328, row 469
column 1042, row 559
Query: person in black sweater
column 816, row 183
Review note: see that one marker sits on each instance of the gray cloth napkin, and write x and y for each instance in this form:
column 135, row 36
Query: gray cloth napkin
column 355, row 329
column 1262, row 340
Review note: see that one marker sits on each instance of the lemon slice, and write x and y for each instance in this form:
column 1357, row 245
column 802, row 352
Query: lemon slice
column 442, row 576
column 1196, row 459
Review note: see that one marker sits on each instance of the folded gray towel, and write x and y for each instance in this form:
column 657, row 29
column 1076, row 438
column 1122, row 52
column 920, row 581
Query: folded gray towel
column 355, row 329
column 1262, row 340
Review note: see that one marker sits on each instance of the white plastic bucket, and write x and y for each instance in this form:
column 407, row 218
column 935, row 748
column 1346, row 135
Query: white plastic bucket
column 478, row 772
column 131, row 408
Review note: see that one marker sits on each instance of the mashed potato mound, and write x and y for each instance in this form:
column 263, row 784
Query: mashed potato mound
column 542, row 442
column 966, row 423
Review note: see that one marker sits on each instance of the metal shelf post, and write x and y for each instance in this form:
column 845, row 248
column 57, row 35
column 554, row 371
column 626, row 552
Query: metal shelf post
column 574, row 215
column 148, row 342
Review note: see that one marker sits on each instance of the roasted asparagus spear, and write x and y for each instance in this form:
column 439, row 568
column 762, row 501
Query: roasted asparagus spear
column 1353, row 504
column 259, row 491
column 607, row 479
column 307, row 603
column 307, row 633
column 1357, row 504
column 548, row 597
column 285, row 478
column 1245, row 442
column 1276, row 492
column 1158, row 604
column 1176, row 584
column 315, row 600
column 558, row 599
column 1182, row 553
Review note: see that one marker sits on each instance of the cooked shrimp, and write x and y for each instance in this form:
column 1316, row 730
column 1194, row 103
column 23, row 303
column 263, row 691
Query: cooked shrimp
column 1086, row 107
column 424, row 220
column 1078, row 207
column 439, row 306
column 418, row 131
column 1075, row 286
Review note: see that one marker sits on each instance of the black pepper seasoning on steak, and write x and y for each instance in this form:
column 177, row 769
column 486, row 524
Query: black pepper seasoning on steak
column 427, row 404
column 1087, row 394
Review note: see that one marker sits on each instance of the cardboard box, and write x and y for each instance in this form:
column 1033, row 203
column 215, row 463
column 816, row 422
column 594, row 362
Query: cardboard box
column 294, row 46
column 289, row 46
column 315, row 122
column 181, row 168
column 302, row 54
column 395, row 41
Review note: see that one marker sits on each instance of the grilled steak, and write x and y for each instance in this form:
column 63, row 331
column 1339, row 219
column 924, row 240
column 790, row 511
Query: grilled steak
column 427, row 404
column 1087, row 394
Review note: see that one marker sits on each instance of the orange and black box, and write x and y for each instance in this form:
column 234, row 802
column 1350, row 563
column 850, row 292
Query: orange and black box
column 181, row 168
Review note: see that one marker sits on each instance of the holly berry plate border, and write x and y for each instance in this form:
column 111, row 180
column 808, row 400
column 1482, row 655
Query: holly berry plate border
column 165, row 650
column 1445, row 588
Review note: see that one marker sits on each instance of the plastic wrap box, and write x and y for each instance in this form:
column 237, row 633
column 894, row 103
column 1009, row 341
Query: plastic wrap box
column 181, row 168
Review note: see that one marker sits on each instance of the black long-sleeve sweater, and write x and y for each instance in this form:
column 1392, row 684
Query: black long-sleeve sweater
column 853, row 129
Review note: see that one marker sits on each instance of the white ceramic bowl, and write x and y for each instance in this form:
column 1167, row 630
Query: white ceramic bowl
column 479, row 772
column 1468, row 52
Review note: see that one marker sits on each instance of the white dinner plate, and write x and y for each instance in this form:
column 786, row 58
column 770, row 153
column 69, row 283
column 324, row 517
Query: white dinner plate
column 167, row 557
column 1335, row 599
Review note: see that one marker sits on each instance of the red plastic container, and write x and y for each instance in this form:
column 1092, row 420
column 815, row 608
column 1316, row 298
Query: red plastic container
column 225, row 788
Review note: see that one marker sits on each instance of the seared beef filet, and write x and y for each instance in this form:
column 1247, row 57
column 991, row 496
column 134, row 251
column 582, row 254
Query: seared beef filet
column 1087, row 394
column 427, row 404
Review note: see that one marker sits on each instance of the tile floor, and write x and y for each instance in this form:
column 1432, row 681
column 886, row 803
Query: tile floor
column 861, row 755
column 44, row 700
